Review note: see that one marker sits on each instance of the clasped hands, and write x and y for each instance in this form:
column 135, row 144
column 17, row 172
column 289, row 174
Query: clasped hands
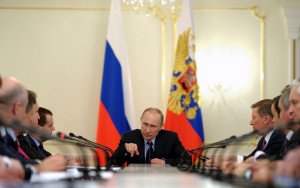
column 133, row 150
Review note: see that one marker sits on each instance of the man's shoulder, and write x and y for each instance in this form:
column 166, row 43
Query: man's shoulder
column 278, row 135
column 164, row 132
column 21, row 138
column 24, row 139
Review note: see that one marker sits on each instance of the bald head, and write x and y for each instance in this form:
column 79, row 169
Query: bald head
column 13, row 99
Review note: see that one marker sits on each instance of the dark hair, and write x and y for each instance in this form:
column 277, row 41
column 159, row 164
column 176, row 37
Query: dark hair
column 154, row 110
column 43, row 112
column 31, row 100
column 264, row 107
column 275, row 101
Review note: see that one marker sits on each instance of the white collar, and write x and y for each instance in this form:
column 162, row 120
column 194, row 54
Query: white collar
column 289, row 135
column 2, row 131
column 268, row 136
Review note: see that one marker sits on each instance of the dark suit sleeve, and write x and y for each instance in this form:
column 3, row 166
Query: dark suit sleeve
column 30, row 148
column 273, row 147
column 275, row 143
column 256, row 149
column 120, row 155
column 178, row 154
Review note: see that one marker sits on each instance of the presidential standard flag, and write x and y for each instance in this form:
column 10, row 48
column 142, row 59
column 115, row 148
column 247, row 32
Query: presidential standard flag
column 183, row 112
column 116, row 113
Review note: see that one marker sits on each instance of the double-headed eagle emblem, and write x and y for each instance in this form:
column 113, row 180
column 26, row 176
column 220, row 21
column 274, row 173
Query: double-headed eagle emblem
column 184, row 88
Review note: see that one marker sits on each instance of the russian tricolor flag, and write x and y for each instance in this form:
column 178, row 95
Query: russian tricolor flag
column 116, row 112
column 184, row 112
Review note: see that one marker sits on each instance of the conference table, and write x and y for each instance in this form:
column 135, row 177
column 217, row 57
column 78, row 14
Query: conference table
column 149, row 176
column 133, row 176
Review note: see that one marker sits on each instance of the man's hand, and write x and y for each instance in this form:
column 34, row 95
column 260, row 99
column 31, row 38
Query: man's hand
column 250, row 160
column 158, row 162
column 132, row 149
column 77, row 161
column 57, row 162
column 290, row 165
column 13, row 173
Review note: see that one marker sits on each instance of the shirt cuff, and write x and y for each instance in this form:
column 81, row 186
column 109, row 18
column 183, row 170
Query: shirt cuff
column 7, row 161
column 32, row 169
column 239, row 158
column 257, row 154
column 248, row 174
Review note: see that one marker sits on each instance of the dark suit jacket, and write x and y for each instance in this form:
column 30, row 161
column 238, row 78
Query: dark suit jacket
column 13, row 148
column 167, row 146
column 30, row 148
column 293, row 143
column 10, row 150
column 274, row 145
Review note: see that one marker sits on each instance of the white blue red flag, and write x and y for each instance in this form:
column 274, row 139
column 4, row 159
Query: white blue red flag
column 116, row 111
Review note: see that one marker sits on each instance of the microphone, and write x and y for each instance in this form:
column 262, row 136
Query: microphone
column 216, row 144
column 242, row 138
column 91, row 142
column 16, row 124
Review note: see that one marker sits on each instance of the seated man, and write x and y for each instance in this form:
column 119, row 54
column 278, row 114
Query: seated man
column 13, row 100
column 151, row 144
column 271, row 141
column 32, row 144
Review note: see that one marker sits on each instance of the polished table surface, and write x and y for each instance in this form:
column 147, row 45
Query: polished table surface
column 147, row 176
column 133, row 176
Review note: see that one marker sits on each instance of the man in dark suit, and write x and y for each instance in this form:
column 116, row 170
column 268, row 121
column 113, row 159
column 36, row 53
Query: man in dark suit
column 261, row 121
column 13, row 100
column 41, row 118
column 262, row 116
column 151, row 144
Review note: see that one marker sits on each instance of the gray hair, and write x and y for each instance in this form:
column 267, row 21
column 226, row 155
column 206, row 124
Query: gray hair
column 16, row 94
column 285, row 94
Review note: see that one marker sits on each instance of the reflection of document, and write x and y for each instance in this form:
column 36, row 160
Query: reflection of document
column 71, row 173
column 55, row 176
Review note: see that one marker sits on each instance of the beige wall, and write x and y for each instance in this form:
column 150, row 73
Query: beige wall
column 59, row 54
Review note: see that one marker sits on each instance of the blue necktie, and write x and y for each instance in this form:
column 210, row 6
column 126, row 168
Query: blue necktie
column 41, row 148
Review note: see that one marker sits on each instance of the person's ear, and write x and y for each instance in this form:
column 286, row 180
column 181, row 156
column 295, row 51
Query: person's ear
column 16, row 109
column 267, row 119
column 162, row 126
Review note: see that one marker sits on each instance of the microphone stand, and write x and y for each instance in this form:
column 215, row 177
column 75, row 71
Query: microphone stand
column 91, row 142
column 96, row 153
column 242, row 138
column 108, row 165
column 218, row 144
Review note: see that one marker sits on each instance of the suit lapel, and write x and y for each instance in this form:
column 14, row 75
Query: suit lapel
column 159, row 145
column 259, row 145
column 11, row 142
column 37, row 154
column 141, row 145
